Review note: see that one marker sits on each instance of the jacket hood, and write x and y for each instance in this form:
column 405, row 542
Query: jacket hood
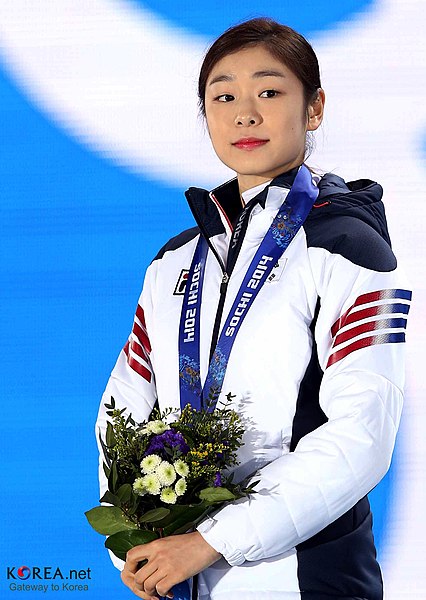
column 361, row 199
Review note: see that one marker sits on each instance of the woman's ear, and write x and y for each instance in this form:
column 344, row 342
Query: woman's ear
column 316, row 111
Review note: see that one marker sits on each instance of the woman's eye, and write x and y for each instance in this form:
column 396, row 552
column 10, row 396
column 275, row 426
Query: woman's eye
column 269, row 94
column 225, row 98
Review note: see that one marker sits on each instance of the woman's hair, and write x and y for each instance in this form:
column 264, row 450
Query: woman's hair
column 283, row 43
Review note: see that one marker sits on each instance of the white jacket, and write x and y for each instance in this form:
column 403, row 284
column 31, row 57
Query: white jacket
column 318, row 372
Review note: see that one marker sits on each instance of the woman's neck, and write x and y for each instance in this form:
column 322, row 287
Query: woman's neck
column 247, row 195
column 247, row 182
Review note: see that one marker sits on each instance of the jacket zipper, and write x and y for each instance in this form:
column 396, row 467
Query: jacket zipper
column 219, row 311
column 233, row 252
column 226, row 272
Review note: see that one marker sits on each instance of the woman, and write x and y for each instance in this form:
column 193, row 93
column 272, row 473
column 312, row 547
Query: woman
column 293, row 326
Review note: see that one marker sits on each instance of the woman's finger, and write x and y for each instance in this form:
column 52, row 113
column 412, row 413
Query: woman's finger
column 147, row 572
column 137, row 554
column 152, row 585
column 128, row 579
column 164, row 588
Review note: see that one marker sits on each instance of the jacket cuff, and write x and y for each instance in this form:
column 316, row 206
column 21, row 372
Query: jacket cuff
column 233, row 556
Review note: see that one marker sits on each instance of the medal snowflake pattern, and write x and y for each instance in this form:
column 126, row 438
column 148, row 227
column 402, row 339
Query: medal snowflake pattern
column 218, row 367
column 189, row 372
column 285, row 226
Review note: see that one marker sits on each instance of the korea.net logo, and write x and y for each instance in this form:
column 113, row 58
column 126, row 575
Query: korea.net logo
column 44, row 579
column 23, row 572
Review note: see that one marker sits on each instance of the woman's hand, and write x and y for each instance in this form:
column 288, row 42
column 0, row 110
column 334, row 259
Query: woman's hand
column 170, row 561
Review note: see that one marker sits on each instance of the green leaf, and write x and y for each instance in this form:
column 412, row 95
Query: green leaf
column 112, row 405
column 157, row 514
column 110, row 499
column 108, row 520
column 124, row 493
column 113, row 477
column 185, row 518
column 105, row 451
column 189, row 525
column 175, row 511
column 120, row 543
column 109, row 437
column 216, row 494
column 133, row 504
column 250, row 489
column 130, row 420
column 184, row 528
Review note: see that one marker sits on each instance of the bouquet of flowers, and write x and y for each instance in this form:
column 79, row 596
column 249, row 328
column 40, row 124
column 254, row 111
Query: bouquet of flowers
column 165, row 475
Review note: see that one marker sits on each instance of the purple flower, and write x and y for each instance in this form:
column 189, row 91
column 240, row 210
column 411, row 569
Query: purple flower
column 169, row 438
column 217, row 480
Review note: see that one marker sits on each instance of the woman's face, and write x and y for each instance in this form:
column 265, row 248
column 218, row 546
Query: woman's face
column 256, row 115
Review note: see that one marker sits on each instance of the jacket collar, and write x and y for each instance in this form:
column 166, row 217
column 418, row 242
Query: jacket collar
column 216, row 210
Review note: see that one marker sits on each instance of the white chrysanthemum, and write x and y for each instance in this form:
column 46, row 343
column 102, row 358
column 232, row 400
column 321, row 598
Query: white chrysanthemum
column 152, row 483
column 139, row 486
column 180, row 487
column 181, row 467
column 158, row 427
column 168, row 496
column 155, row 427
column 166, row 473
column 150, row 463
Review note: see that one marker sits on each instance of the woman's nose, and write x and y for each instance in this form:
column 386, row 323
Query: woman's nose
column 246, row 121
column 247, row 117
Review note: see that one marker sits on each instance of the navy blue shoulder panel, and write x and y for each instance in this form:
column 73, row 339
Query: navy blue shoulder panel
column 178, row 241
column 353, row 239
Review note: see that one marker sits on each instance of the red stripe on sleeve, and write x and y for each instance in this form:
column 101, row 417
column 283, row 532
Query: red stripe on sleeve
column 363, row 343
column 141, row 315
column 139, row 350
column 364, row 299
column 142, row 337
column 358, row 315
column 136, row 366
column 383, row 338
column 354, row 331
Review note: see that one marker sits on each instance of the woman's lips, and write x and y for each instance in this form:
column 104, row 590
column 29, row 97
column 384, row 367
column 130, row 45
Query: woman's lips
column 249, row 143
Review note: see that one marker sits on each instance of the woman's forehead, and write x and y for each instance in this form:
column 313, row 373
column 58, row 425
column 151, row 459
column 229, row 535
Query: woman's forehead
column 255, row 61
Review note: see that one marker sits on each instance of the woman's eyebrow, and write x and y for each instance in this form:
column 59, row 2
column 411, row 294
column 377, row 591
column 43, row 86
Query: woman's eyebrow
column 222, row 78
column 267, row 73
column 256, row 75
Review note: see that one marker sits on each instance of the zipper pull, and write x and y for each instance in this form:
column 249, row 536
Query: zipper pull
column 224, row 283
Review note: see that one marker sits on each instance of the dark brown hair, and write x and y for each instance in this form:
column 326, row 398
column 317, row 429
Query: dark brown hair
column 284, row 44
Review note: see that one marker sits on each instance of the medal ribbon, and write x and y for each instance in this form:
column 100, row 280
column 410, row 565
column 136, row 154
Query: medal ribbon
column 283, row 229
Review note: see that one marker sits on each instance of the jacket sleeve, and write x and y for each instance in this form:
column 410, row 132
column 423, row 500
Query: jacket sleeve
column 132, row 380
column 359, row 335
